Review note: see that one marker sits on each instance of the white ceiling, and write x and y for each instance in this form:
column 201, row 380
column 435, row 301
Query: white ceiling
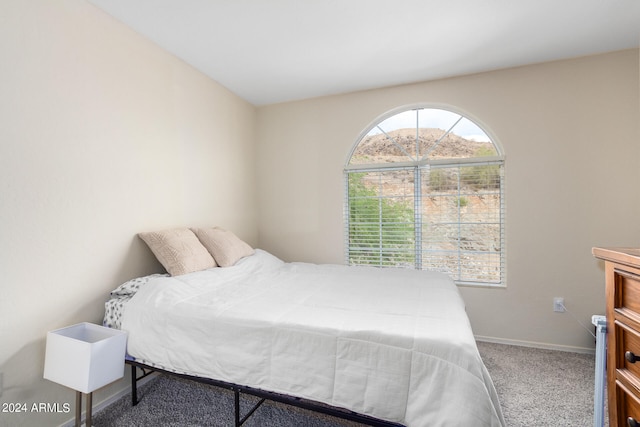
column 270, row 51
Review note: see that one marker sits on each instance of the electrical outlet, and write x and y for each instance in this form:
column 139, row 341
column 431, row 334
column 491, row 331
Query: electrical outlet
column 558, row 305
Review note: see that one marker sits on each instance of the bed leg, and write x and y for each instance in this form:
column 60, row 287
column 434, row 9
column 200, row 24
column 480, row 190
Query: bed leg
column 239, row 421
column 134, row 386
column 236, row 395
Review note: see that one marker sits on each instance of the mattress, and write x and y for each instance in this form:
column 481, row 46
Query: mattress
column 395, row 344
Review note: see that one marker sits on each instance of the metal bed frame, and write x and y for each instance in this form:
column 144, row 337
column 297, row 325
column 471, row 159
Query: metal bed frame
column 262, row 394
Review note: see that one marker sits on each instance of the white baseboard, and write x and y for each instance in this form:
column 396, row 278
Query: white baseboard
column 534, row 344
column 108, row 401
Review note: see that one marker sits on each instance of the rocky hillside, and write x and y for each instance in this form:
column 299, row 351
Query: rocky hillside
column 400, row 145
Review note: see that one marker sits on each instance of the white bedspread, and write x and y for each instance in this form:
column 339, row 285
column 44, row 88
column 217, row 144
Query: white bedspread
column 394, row 344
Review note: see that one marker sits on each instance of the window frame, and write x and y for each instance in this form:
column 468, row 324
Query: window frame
column 425, row 163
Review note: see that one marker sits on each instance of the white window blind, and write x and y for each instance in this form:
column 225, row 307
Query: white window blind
column 382, row 218
column 461, row 219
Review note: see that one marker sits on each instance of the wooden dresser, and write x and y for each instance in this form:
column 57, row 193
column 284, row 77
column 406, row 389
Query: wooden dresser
column 622, row 277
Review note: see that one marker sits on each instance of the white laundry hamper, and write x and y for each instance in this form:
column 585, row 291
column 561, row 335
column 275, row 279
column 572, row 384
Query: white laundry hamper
column 600, row 322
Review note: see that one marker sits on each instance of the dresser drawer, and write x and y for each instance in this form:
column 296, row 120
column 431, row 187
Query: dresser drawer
column 628, row 406
column 627, row 293
column 628, row 348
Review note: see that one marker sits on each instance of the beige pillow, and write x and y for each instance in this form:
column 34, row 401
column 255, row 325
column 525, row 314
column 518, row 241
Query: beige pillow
column 178, row 250
column 226, row 247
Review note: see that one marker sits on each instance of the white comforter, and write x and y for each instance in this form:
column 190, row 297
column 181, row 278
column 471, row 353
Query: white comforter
column 393, row 344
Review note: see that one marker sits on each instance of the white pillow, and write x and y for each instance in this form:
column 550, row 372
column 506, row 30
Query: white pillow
column 225, row 247
column 178, row 250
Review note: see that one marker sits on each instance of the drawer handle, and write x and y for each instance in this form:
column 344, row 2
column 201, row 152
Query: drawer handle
column 631, row 358
column 632, row 422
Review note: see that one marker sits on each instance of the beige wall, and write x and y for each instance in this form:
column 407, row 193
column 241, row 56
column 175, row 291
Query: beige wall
column 102, row 135
column 570, row 131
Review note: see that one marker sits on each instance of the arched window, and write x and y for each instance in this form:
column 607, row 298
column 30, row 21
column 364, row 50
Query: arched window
column 424, row 189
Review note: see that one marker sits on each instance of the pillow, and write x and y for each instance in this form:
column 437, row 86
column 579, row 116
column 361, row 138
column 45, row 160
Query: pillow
column 178, row 250
column 225, row 247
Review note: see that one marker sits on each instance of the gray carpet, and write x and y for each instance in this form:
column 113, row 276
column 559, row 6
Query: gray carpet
column 174, row 402
column 536, row 388
column 541, row 387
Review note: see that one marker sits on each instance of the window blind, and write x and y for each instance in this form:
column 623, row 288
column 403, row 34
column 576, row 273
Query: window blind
column 461, row 217
column 381, row 218
column 447, row 218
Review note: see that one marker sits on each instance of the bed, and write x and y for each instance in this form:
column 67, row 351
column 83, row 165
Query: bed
column 392, row 344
